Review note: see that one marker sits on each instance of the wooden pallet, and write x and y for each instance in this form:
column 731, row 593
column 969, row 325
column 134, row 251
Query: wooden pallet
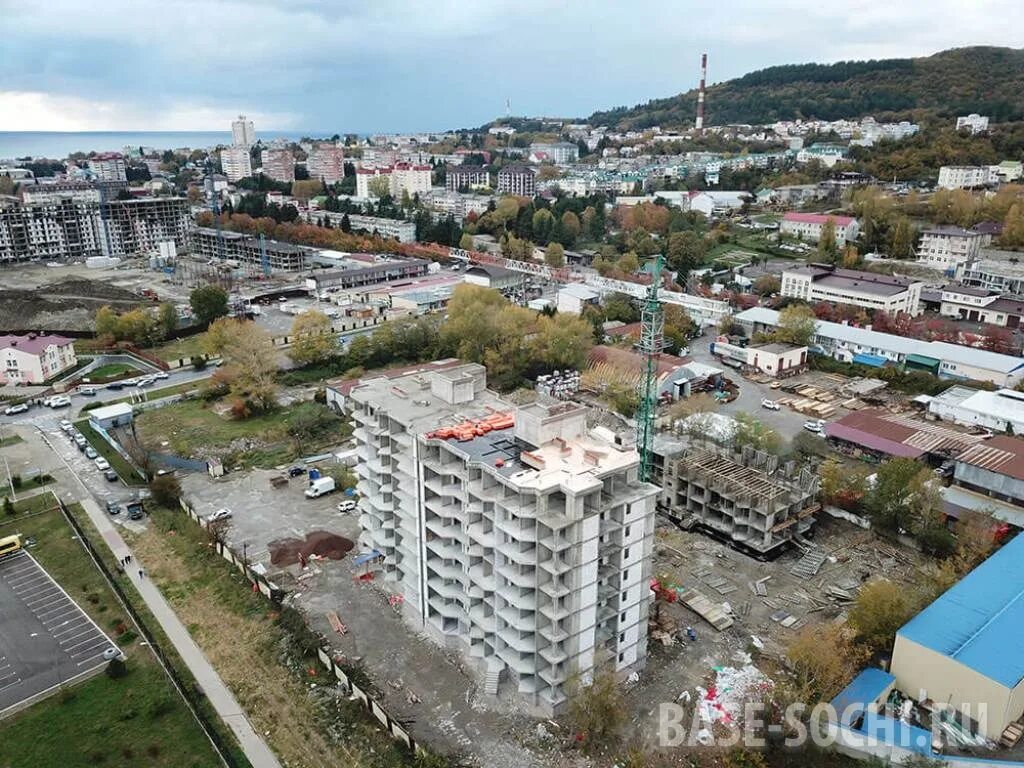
column 335, row 622
column 1011, row 735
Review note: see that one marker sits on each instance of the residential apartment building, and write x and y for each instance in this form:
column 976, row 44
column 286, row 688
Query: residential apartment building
column 746, row 497
column 397, row 229
column 411, row 179
column 278, row 164
column 34, row 359
column 808, row 226
column 979, row 305
column 517, row 179
column 964, row 176
column 559, row 152
column 236, row 162
column 243, row 133
column 365, row 175
column 52, row 227
column 1007, row 171
column 513, row 534
column 827, row 154
column 822, row 282
column 272, row 255
column 461, row 177
column 458, row 205
column 108, row 166
column 326, row 162
column 974, row 122
column 850, row 344
column 137, row 226
column 77, row 191
column 947, row 248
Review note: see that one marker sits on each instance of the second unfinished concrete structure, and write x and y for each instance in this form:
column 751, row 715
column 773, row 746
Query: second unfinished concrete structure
column 513, row 534
column 745, row 497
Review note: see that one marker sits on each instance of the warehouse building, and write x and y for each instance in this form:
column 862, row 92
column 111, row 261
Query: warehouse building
column 964, row 651
column 879, row 434
column 998, row 411
column 513, row 534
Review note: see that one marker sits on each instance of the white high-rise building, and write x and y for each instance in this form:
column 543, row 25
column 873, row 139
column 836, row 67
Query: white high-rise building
column 975, row 122
column 243, row 134
column 109, row 166
column 236, row 163
column 512, row 533
column 964, row 176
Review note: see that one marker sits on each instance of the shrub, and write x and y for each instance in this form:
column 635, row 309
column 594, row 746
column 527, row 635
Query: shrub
column 198, row 362
column 16, row 481
column 166, row 490
column 117, row 669
column 126, row 637
column 9, row 506
column 160, row 707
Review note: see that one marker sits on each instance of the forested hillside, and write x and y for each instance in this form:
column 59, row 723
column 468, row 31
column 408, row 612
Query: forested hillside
column 986, row 80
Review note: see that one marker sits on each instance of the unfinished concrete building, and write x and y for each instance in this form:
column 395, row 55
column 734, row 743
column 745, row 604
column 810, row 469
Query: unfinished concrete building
column 513, row 534
column 744, row 497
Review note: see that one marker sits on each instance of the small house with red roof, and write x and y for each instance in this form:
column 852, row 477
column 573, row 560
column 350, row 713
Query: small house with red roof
column 34, row 359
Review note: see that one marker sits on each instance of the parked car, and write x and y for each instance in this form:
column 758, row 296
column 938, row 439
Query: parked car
column 87, row 391
column 115, row 385
column 771, row 405
column 817, row 427
column 59, row 401
column 111, row 476
column 320, row 487
column 775, row 384
column 221, row 514
column 161, row 375
column 67, row 426
column 90, row 453
column 81, row 442
column 134, row 510
column 946, row 469
column 347, row 506
column 11, row 410
column 102, row 464
column 146, row 381
column 113, row 508
column 296, row 471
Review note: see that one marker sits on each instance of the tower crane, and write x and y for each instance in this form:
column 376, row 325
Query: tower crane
column 652, row 339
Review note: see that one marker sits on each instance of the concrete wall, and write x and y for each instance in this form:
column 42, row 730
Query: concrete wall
column 992, row 483
column 922, row 673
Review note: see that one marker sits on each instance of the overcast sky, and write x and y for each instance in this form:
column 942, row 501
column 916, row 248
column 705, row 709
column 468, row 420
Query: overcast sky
column 384, row 65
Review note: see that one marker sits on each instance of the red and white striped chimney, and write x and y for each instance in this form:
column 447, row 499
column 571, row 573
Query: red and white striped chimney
column 700, row 91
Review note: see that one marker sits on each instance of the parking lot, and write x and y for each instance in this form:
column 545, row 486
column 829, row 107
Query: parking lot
column 46, row 640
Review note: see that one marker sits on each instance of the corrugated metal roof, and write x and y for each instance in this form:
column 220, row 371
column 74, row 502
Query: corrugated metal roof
column 1002, row 455
column 979, row 622
column 865, row 689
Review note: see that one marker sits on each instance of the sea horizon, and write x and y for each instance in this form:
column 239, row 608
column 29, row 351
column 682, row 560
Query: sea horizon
column 57, row 145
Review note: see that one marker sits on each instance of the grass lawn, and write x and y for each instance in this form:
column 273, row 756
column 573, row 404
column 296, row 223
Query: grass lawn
column 136, row 720
column 151, row 394
column 10, row 440
column 125, row 471
column 179, row 349
column 193, row 424
column 112, row 371
column 27, row 485
column 239, row 631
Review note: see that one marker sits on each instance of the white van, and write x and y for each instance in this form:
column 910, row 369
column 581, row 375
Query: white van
column 320, row 487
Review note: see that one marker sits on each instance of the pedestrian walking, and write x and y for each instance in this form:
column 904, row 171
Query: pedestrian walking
column 140, row 573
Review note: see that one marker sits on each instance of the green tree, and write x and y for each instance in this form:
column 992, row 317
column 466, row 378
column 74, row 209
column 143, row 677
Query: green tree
column 554, row 255
column 571, row 228
column 542, row 223
column 249, row 370
column 208, row 302
column 106, row 323
column 766, row 285
column 755, row 433
column 466, row 242
column 628, row 263
column 828, row 249
column 598, row 713
column 167, row 319
column 901, row 239
column 379, row 186
column 797, row 325
column 880, row 610
column 166, row 490
column 888, row 503
column 313, row 340
column 686, row 252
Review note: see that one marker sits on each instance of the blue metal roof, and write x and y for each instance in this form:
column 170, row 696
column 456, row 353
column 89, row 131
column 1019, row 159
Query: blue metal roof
column 895, row 732
column 865, row 689
column 980, row 620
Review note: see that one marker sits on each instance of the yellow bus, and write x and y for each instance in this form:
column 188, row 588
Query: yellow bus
column 9, row 545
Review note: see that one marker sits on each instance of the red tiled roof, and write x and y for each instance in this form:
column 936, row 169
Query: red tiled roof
column 33, row 344
column 816, row 218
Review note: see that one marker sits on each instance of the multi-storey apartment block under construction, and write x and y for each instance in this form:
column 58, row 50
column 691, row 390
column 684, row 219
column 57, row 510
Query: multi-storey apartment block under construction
column 514, row 534
column 745, row 497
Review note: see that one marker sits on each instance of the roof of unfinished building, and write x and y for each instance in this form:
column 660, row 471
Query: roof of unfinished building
column 898, row 435
column 979, row 621
column 1001, row 455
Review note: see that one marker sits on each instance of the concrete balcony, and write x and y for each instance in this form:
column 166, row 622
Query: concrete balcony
column 520, row 530
column 454, row 490
column 444, row 550
column 523, row 665
column 553, row 612
column 556, row 565
column 526, row 644
column 479, row 533
column 521, row 556
column 554, row 590
column 447, row 571
column 552, row 633
column 481, row 578
column 552, row 654
column 481, row 615
column 447, row 591
column 513, row 576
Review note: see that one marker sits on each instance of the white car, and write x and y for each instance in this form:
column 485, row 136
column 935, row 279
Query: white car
column 771, row 405
column 221, row 514
column 66, row 426
column 60, row 401
column 11, row 410
column 817, row 427
column 161, row 375
column 102, row 464
column 347, row 506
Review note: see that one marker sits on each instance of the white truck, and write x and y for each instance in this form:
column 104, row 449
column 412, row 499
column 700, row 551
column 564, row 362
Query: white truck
column 320, row 487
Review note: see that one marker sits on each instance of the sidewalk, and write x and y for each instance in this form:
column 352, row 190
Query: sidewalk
column 223, row 701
